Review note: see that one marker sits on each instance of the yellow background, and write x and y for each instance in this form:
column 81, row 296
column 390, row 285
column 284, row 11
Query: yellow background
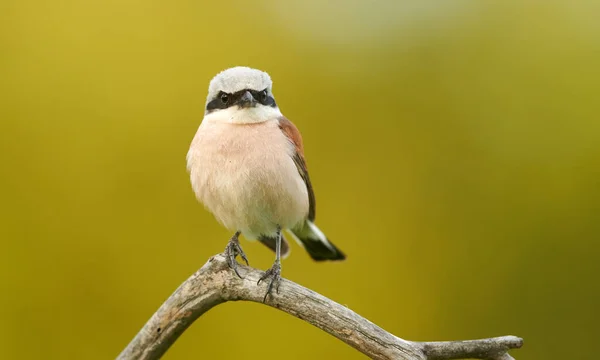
column 454, row 148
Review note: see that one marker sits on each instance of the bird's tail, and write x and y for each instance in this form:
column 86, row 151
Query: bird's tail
column 315, row 242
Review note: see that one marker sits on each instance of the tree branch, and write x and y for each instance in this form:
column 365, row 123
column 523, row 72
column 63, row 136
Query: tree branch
column 216, row 283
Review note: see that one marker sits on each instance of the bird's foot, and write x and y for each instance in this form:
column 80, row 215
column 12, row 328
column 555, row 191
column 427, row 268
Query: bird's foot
column 232, row 250
column 275, row 273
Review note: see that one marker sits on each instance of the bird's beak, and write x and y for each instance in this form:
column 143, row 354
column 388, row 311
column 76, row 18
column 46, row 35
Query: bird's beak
column 246, row 100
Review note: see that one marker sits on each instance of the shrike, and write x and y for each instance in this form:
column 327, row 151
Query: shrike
column 247, row 166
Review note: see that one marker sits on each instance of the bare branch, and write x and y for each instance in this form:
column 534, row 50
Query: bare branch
column 492, row 349
column 215, row 283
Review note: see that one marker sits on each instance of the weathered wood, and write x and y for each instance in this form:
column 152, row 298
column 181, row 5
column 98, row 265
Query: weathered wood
column 216, row 283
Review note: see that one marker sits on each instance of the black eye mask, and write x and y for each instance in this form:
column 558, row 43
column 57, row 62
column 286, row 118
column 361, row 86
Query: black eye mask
column 225, row 100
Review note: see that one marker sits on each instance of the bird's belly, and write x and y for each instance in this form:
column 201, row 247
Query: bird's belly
column 246, row 177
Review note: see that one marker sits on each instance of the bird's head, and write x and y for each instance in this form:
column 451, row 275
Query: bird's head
column 241, row 95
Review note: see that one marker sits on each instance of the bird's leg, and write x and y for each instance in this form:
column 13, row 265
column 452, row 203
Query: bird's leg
column 275, row 271
column 232, row 250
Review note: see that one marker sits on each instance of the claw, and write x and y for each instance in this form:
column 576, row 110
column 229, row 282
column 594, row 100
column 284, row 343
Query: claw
column 275, row 273
column 232, row 250
column 237, row 272
column 243, row 256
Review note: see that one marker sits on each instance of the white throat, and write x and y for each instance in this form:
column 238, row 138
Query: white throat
column 237, row 115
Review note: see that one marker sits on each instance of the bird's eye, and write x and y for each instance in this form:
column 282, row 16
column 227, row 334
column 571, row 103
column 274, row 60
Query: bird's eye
column 263, row 95
column 224, row 98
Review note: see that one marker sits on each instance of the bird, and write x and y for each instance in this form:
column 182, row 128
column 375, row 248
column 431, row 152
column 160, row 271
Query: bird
column 247, row 167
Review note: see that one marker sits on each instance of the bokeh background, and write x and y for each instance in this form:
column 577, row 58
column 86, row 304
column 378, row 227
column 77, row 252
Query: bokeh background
column 454, row 147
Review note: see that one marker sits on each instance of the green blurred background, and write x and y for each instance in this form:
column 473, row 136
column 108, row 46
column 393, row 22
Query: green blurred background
column 454, row 148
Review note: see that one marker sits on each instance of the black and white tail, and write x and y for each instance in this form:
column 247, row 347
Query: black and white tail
column 315, row 242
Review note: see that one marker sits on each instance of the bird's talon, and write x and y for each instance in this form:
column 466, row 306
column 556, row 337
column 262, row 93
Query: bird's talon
column 244, row 258
column 275, row 273
column 232, row 250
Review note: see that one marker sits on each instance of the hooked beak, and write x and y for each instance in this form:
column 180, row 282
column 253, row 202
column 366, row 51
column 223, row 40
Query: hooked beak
column 247, row 100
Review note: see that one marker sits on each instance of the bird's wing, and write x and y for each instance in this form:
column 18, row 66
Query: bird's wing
column 292, row 133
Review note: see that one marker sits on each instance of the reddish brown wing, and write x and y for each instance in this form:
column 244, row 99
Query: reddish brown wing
column 292, row 133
